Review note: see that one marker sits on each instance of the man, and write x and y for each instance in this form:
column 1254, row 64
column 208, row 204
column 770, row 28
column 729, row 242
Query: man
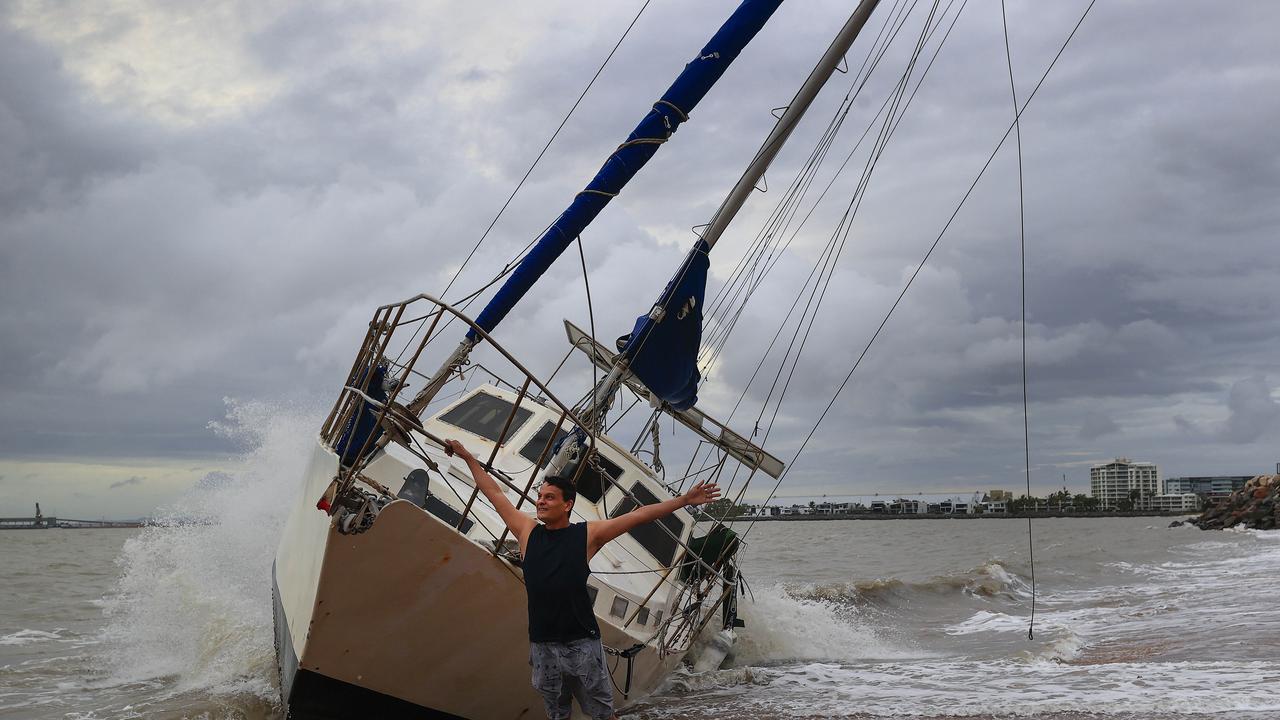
column 564, row 639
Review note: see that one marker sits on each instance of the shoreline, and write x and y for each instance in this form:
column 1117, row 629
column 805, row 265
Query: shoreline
column 975, row 516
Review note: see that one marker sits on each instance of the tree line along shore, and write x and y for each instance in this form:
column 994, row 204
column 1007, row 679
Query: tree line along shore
column 957, row 516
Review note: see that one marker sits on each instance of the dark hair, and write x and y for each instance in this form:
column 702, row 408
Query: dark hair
column 567, row 489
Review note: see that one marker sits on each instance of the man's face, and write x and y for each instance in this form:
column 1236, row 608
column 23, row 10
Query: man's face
column 551, row 504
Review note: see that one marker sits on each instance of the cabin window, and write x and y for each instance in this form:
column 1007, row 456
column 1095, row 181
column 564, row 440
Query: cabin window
column 619, row 609
column 591, row 483
column 653, row 536
column 484, row 415
column 592, row 592
column 642, row 616
column 534, row 447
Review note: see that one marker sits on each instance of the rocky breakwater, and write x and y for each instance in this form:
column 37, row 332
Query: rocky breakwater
column 1256, row 505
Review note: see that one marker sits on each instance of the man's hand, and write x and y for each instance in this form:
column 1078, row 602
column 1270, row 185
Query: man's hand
column 701, row 494
column 454, row 447
column 519, row 523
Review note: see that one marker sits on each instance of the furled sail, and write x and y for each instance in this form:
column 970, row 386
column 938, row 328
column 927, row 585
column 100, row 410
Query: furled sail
column 658, row 125
column 662, row 349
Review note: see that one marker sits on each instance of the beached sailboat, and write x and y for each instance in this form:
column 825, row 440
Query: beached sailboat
column 398, row 591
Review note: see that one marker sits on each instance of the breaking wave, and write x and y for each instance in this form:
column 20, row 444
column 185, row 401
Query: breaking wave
column 29, row 637
column 193, row 601
column 788, row 623
column 992, row 579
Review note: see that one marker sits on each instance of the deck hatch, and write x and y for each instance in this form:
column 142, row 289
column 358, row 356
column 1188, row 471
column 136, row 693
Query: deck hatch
column 484, row 415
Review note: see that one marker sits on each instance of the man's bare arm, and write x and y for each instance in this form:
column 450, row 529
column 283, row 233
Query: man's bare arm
column 519, row 523
column 600, row 532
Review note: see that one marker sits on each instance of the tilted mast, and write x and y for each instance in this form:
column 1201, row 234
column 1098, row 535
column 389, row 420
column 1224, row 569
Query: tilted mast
column 699, row 75
column 675, row 380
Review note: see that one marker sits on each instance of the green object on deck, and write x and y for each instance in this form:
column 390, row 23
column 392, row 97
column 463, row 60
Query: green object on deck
column 714, row 548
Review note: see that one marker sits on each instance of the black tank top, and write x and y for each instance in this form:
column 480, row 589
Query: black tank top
column 555, row 576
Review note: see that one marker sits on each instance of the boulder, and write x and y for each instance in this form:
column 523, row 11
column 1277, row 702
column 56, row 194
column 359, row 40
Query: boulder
column 1256, row 505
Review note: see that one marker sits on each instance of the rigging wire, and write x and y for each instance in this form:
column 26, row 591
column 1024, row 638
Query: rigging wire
column 543, row 152
column 1022, row 247
column 591, row 315
column 679, row 277
column 776, row 254
column 855, row 204
column 893, row 96
column 464, row 302
column 835, row 245
column 740, row 278
column 911, row 280
column 820, row 153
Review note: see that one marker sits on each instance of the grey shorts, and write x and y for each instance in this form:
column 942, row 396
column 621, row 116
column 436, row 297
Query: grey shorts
column 575, row 669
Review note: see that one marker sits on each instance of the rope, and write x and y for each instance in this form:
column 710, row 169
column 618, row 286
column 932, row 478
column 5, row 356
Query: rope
column 640, row 141
column 684, row 116
column 685, row 268
column 858, row 83
column 591, row 315
column 833, row 250
column 841, row 235
column 776, row 253
column 1022, row 247
column 927, row 255
column 543, row 152
column 896, row 21
column 740, row 276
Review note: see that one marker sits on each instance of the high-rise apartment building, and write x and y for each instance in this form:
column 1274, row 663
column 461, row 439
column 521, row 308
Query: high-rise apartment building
column 1114, row 481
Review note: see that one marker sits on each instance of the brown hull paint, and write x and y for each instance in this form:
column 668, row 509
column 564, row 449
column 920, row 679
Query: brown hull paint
column 415, row 612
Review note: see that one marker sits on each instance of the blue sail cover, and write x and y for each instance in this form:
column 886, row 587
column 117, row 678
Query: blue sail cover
column 362, row 431
column 659, row 124
column 663, row 352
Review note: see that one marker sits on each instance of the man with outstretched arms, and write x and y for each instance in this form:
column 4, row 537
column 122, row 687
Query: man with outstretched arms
column 564, row 639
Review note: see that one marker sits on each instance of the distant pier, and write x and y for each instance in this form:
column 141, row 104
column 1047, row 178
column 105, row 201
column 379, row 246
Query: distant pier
column 41, row 522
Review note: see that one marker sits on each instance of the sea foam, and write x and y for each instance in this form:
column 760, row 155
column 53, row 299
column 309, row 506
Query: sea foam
column 796, row 623
column 193, row 602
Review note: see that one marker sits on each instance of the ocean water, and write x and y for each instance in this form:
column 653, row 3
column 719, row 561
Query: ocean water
column 849, row 619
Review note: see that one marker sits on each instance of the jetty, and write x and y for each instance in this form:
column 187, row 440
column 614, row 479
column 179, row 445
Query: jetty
column 41, row 522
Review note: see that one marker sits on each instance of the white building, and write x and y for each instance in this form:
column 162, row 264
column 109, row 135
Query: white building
column 1185, row 502
column 1115, row 481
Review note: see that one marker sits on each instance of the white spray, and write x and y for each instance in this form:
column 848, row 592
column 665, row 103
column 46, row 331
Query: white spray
column 193, row 603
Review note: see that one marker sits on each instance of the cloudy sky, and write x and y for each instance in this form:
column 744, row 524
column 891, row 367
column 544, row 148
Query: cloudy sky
column 201, row 204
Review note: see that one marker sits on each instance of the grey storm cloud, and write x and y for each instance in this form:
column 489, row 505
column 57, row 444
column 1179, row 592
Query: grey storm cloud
column 1254, row 412
column 1096, row 426
column 158, row 255
column 132, row 480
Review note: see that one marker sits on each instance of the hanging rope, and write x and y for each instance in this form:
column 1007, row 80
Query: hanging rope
column 777, row 252
column 764, row 251
column 599, row 419
column 896, row 21
column 929, row 253
column 838, row 240
column 1022, row 248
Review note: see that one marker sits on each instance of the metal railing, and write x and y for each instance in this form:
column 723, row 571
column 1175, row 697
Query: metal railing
column 381, row 355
